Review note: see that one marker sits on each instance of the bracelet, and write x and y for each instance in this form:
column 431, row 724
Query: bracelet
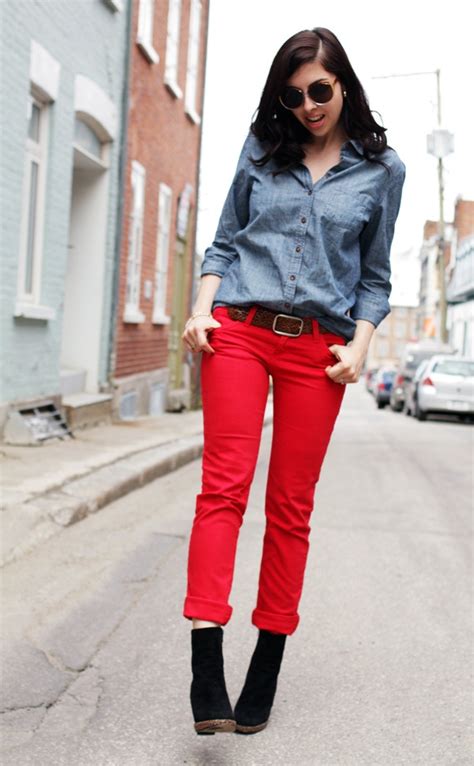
column 198, row 314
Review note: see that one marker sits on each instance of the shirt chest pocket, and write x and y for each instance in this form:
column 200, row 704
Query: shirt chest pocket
column 272, row 198
column 342, row 212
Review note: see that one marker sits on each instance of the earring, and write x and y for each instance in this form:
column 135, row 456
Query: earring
column 344, row 93
column 275, row 116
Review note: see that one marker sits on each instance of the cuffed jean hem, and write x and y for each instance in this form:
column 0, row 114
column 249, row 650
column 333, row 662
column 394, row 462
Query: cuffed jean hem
column 204, row 609
column 276, row 623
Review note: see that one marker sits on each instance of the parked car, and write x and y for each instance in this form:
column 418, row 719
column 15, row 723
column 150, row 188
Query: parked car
column 369, row 378
column 413, row 354
column 411, row 389
column 374, row 380
column 398, row 392
column 446, row 386
column 383, row 381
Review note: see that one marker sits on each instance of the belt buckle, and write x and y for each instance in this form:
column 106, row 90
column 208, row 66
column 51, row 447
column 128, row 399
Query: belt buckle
column 282, row 332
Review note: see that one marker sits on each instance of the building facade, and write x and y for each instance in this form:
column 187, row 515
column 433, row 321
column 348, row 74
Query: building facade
column 460, row 288
column 459, row 277
column 429, row 294
column 149, row 372
column 391, row 336
column 61, row 147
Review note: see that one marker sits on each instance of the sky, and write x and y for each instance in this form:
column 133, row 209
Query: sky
column 380, row 39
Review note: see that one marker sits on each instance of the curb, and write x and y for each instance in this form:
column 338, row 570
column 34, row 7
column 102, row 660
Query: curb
column 28, row 524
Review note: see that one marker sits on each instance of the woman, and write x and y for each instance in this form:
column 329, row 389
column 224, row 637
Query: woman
column 297, row 278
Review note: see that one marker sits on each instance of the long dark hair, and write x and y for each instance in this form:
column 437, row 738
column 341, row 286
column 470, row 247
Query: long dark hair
column 282, row 132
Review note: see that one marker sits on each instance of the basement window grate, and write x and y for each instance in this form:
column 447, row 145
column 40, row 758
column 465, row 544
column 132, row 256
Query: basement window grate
column 45, row 422
column 128, row 405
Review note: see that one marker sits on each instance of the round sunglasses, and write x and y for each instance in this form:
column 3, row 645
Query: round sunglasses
column 319, row 92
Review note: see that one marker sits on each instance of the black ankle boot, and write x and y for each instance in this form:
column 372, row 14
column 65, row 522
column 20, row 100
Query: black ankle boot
column 210, row 702
column 253, row 707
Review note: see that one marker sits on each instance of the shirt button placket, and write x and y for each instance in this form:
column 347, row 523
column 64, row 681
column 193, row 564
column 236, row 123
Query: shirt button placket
column 298, row 249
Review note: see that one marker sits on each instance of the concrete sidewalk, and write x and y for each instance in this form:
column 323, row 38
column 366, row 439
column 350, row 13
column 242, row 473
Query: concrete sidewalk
column 48, row 487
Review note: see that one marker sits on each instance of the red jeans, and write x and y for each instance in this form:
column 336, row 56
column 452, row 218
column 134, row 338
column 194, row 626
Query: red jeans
column 306, row 402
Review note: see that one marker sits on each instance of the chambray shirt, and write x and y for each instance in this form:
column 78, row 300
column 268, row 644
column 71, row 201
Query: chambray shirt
column 309, row 249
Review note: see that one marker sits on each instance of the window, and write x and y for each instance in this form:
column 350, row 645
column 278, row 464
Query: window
column 87, row 139
column 145, row 30
column 172, row 48
column 135, row 241
column 157, row 404
column 128, row 405
column 399, row 348
column 454, row 367
column 400, row 329
column 31, row 241
column 193, row 61
column 162, row 252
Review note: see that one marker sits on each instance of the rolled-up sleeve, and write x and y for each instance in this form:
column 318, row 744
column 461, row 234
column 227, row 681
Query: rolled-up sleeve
column 234, row 217
column 374, row 288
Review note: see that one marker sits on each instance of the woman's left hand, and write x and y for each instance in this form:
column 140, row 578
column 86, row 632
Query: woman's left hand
column 349, row 366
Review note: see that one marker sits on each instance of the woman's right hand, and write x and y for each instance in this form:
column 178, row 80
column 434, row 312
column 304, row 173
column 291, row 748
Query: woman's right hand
column 195, row 334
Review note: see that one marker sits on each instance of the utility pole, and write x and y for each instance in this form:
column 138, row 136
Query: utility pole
column 439, row 143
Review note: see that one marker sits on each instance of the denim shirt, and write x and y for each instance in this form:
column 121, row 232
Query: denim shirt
column 309, row 249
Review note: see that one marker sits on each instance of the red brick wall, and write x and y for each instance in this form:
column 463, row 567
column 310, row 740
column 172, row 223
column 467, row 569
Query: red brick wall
column 464, row 218
column 166, row 142
column 430, row 229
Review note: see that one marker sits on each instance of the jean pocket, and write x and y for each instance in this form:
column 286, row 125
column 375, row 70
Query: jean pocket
column 327, row 340
column 331, row 339
column 220, row 315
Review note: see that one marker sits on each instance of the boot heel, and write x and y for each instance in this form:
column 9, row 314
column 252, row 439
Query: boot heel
column 210, row 702
column 252, row 710
column 213, row 727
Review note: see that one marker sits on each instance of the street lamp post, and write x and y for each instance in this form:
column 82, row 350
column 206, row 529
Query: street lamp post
column 439, row 143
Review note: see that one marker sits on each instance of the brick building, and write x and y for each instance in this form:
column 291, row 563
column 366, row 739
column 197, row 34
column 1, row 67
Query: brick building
column 460, row 287
column 392, row 335
column 428, row 311
column 459, row 275
column 166, row 89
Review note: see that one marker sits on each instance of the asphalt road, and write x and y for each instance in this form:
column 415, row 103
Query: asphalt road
column 96, row 667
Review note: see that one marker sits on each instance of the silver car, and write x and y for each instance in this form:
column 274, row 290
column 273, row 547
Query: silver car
column 411, row 389
column 446, row 386
column 414, row 353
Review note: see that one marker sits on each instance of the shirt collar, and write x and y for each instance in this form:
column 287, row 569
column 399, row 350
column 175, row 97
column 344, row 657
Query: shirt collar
column 356, row 144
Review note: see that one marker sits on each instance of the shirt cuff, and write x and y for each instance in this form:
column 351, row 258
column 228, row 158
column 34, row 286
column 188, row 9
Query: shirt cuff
column 210, row 269
column 371, row 312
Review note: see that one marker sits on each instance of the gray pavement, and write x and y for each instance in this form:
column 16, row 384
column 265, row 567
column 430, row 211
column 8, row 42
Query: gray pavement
column 47, row 487
column 378, row 673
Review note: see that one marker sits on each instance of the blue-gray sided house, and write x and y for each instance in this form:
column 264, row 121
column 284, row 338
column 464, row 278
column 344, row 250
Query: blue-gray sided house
column 64, row 72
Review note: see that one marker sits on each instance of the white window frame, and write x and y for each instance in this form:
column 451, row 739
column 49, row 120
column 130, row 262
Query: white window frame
column 36, row 153
column 145, row 30
column 132, row 311
column 81, row 145
column 165, row 206
column 172, row 48
column 192, row 70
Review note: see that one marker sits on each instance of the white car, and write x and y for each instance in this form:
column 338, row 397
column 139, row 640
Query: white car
column 446, row 386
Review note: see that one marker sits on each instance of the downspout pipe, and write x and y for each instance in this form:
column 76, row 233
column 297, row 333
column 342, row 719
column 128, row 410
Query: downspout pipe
column 197, row 358
column 123, row 158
